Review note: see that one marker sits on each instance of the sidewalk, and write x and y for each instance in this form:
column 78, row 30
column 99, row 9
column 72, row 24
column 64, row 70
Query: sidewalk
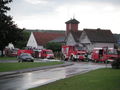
column 2, row 74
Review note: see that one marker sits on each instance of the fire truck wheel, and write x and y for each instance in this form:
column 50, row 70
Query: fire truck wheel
column 72, row 58
column 105, row 62
column 96, row 61
column 18, row 60
column 32, row 60
column 65, row 59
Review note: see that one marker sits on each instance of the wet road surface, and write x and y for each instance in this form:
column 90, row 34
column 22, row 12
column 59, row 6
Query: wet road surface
column 25, row 81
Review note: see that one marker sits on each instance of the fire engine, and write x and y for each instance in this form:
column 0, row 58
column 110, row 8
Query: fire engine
column 25, row 51
column 38, row 53
column 46, row 53
column 104, row 54
column 73, row 53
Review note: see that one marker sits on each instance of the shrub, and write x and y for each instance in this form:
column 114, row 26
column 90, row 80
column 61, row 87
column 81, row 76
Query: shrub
column 116, row 64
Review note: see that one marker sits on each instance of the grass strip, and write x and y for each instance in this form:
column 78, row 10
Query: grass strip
column 18, row 66
column 101, row 79
column 8, row 58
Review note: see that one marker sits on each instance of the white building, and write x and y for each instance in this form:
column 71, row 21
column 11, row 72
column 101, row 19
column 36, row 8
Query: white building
column 89, row 39
column 97, row 38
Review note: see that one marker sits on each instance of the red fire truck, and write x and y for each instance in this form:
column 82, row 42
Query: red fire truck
column 42, row 53
column 25, row 51
column 104, row 54
column 46, row 53
column 73, row 53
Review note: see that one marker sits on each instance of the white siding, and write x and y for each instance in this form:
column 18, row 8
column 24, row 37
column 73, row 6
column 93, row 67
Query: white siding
column 84, row 38
column 32, row 42
column 100, row 45
column 70, row 40
column 90, row 47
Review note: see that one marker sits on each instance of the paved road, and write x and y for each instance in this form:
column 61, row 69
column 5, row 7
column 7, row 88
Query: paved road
column 25, row 81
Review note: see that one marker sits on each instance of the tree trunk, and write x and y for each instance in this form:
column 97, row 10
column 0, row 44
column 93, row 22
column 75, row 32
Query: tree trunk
column 2, row 53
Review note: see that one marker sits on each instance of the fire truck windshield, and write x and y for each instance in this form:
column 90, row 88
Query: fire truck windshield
column 79, row 48
column 112, row 52
column 49, row 52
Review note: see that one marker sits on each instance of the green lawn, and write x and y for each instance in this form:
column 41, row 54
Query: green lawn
column 8, row 58
column 101, row 79
column 17, row 66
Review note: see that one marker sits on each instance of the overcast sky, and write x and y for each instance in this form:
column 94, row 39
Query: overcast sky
column 52, row 14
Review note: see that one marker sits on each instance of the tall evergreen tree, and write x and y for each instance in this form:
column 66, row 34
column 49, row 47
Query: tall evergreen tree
column 9, row 32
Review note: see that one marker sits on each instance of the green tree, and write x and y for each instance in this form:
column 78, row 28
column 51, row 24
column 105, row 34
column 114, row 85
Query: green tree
column 9, row 32
column 56, row 47
column 23, row 42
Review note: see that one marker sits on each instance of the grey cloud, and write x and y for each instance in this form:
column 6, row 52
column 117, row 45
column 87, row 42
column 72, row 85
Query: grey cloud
column 78, row 1
column 22, row 7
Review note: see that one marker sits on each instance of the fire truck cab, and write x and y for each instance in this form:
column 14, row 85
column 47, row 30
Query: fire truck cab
column 46, row 53
column 73, row 53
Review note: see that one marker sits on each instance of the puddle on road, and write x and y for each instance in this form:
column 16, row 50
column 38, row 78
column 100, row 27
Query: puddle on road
column 37, row 78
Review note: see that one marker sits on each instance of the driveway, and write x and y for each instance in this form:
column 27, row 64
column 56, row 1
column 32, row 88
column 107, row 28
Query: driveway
column 25, row 81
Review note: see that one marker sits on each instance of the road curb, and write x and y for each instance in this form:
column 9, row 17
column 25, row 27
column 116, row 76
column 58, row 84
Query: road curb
column 2, row 74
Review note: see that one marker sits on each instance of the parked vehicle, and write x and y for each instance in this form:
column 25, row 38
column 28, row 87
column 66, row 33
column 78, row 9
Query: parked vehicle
column 46, row 53
column 14, row 52
column 25, row 57
column 11, row 52
column 38, row 53
column 25, row 51
column 73, row 53
column 104, row 55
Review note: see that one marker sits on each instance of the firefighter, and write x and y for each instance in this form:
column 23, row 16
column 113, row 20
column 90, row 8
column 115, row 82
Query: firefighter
column 100, row 53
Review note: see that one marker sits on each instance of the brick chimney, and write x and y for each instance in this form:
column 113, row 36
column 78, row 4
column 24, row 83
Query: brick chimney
column 72, row 25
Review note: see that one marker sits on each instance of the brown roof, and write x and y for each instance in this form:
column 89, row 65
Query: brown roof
column 76, row 35
column 43, row 38
column 59, row 40
column 72, row 21
column 99, row 35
